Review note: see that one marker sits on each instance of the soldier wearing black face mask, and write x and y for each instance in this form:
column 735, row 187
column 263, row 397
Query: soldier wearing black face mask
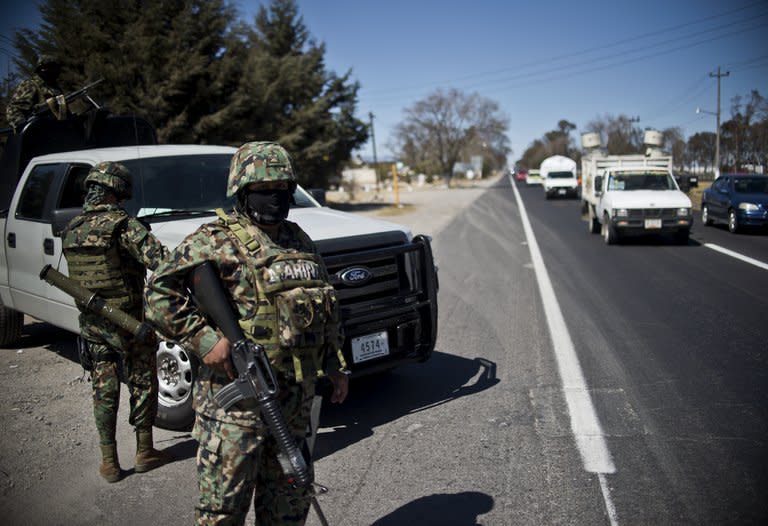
column 268, row 206
column 285, row 302
column 42, row 87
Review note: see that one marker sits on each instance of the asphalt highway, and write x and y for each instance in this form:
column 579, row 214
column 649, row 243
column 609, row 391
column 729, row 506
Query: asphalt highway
column 663, row 415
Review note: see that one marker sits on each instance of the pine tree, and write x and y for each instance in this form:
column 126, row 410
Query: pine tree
column 201, row 76
column 286, row 94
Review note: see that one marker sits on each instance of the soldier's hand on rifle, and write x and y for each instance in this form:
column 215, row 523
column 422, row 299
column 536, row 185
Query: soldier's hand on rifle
column 219, row 357
column 340, row 383
column 58, row 106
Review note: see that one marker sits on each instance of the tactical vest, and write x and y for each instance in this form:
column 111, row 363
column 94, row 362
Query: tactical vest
column 93, row 257
column 296, row 317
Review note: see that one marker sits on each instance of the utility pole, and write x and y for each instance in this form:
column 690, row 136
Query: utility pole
column 717, row 141
column 375, row 160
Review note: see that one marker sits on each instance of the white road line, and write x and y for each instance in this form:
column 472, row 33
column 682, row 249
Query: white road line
column 609, row 507
column 584, row 422
column 746, row 259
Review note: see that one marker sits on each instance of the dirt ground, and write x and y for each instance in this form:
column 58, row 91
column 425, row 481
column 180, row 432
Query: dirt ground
column 48, row 443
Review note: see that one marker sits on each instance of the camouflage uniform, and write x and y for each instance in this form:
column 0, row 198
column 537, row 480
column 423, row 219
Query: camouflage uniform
column 108, row 252
column 237, row 455
column 32, row 92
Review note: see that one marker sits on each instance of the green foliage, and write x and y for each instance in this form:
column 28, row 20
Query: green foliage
column 200, row 75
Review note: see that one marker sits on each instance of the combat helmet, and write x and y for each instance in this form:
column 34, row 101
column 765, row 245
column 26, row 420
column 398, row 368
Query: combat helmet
column 265, row 163
column 111, row 175
column 45, row 61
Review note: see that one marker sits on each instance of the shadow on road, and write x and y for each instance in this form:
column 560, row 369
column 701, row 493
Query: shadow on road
column 456, row 509
column 656, row 240
column 376, row 400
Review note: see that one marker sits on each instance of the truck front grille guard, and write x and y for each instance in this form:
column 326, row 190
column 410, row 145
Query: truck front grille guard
column 404, row 280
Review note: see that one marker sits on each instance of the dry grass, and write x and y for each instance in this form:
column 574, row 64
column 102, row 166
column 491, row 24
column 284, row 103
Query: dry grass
column 695, row 193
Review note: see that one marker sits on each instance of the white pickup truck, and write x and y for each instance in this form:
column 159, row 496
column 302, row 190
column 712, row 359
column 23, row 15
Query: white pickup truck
column 385, row 277
column 625, row 195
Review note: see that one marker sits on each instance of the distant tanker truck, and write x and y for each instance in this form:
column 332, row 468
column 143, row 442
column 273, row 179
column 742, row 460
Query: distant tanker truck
column 558, row 176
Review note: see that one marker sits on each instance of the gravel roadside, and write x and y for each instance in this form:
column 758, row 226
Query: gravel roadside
column 424, row 210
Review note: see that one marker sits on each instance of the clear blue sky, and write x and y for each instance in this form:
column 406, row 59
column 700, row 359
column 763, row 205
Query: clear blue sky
column 541, row 61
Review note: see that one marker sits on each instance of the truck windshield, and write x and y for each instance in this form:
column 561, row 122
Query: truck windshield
column 187, row 184
column 561, row 175
column 641, row 181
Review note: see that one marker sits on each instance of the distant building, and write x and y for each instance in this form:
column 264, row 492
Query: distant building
column 363, row 178
column 472, row 169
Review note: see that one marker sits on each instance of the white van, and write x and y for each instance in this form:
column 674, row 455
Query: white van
column 559, row 178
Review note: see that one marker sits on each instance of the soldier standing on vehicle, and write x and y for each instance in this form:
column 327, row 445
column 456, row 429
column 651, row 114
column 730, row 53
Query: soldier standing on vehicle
column 108, row 252
column 41, row 87
column 280, row 289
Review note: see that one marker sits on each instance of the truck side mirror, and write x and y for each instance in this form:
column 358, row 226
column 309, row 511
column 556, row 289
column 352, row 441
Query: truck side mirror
column 61, row 217
column 598, row 185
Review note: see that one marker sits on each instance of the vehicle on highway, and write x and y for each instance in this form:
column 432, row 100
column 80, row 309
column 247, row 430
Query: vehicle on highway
column 739, row 200
column 686, row 181
column 558, row 176
column 533, row 177
column 632, row 194
column 520, row 175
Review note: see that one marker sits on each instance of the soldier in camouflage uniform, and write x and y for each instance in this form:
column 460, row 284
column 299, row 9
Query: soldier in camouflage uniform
column 41, row 88
column 280, row 288
column 108, row 252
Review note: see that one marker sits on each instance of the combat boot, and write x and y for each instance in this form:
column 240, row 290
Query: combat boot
column 110, row 466
column 147, row 457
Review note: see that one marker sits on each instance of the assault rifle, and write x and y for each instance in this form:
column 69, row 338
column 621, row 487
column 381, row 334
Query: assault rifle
column 96, row 304
column 255, row 377
column 43, row 108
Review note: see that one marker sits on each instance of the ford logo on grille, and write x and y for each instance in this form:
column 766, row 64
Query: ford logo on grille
column 355, row 276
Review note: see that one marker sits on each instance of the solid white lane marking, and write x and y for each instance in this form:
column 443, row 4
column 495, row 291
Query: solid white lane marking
column 585, row 424
column 742, row 257
column 610, row 508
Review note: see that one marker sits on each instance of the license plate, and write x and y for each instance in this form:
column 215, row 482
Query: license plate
column 561, row 191
column 652, row 223
column 370, row 346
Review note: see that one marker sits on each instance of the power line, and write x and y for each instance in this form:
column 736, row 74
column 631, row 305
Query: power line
column 535, row 78
column 594, row 48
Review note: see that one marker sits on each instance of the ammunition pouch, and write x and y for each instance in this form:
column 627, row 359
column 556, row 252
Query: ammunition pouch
column 84, row 354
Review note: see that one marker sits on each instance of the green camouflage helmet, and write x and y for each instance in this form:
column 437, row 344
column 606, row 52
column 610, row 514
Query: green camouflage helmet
column 264, row 163
column 111, row 175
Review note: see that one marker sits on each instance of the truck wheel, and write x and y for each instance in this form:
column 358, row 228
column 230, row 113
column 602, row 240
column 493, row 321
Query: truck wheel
column 609, row 232
column 705, row 219
column 176, row 370
column 733, row 221
column 592, row 223
column 11, row 323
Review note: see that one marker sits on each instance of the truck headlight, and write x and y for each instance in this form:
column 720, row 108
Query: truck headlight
column 620, row 212
column 683, row 211
column 749, row 207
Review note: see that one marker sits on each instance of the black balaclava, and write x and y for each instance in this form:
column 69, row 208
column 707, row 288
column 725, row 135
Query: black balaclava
column 268, row 207
column 49, row 73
